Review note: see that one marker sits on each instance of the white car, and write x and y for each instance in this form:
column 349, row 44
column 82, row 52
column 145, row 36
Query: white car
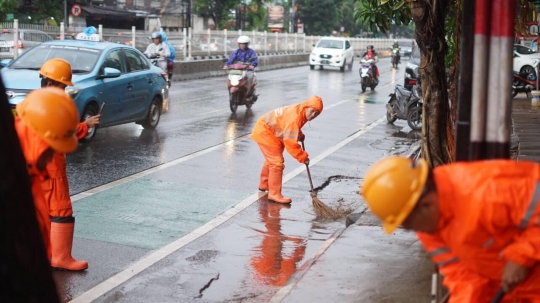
column 336, row 52
column 525, row 59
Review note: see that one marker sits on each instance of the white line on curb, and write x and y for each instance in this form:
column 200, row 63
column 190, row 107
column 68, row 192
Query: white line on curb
column 162, row 253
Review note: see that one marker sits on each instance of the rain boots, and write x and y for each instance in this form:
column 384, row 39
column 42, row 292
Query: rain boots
column 274, row 183
column 61, row 242
column 263, row 185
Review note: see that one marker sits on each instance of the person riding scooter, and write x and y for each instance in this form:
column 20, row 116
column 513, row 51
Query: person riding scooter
column 244, row 54
column 396, row 46
column 157, row 49
column 371, row 54
column 170, row 59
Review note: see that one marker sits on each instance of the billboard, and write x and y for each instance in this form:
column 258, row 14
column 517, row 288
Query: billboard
column 275, row 16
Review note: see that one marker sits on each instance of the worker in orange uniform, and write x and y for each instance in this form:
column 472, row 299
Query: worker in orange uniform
column 57, row 73
column 46, row 122
column 479, row 221
column 277, row 130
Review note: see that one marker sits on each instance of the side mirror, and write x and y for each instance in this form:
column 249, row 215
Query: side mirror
column 109, row 72
column 225, row 60
column 5, row 62
column 313, row 45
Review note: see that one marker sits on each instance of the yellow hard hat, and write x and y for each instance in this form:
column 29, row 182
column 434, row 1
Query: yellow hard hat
column 52, row 115
column 392, row 188
column 58, row 70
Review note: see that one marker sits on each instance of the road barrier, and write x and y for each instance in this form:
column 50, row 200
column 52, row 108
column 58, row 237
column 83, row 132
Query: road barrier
column 212, row 66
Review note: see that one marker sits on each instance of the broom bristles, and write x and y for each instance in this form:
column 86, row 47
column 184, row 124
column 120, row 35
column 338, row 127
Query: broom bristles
column 322, row 209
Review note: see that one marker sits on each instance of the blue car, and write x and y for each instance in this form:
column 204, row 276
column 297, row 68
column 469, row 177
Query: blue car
column 120, row 76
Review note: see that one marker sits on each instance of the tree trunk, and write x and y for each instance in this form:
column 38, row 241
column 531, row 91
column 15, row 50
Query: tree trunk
column 453, row 76
column 428, row 16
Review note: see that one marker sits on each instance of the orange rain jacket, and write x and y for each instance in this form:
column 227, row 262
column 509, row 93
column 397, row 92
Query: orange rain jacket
column 489, row 214
column 282, row 127
column 33, row 147
column 56, row 188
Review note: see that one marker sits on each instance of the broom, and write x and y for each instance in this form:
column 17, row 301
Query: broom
column 321, row 209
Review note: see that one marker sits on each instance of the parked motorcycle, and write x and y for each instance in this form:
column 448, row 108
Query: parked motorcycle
column 237, row 84
column 366, row 74
column 523, row 83
column 395, row 57
column 406, row 105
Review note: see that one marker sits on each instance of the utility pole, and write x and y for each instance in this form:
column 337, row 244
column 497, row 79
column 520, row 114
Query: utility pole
column 291, row 18
column 65, row 13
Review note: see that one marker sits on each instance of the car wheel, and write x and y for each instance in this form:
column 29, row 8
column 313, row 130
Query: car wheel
column 342, row 68
column 89, row 111
column 528, row 69
column 311, row 66
column 154, row 113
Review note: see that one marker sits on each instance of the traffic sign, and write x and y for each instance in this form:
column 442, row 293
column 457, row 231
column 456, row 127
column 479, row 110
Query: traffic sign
column 76, row 10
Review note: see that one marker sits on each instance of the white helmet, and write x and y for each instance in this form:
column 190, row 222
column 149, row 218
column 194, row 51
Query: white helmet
column 243, row 39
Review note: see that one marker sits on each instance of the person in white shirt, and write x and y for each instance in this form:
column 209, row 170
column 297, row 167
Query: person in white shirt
column 157, row 49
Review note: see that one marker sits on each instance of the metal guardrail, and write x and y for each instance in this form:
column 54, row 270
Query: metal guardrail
column 187, row 43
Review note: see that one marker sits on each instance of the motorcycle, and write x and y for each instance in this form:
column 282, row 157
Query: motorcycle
column 523, row 83
column 366, row 74
column 395, row 57
column 406, row 105
column 237, row 85
column 154, row 59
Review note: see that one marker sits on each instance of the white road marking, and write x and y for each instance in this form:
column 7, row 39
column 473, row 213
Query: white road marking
column 167, row 250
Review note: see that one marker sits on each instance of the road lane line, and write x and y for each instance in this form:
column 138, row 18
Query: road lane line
column 158, row 255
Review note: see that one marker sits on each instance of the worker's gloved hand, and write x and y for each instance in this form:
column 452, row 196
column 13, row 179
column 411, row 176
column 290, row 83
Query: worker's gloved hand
column 306, row 162
column 513, row 274
column 301, row 138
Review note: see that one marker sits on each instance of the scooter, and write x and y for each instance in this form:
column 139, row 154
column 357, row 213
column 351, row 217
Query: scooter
column 523, row 83
column 366, row 75
column 395, row 57
column 237, row 85
column 154, row 59
column 406, row 105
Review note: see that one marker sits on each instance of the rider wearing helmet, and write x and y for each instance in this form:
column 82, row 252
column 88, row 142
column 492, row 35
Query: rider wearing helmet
column 157, row 49
column 46, row 123
column 396, row 46
column 244, row 54
column 478, row 220
column 57, row 73
column 371, row 54
column 170, row 59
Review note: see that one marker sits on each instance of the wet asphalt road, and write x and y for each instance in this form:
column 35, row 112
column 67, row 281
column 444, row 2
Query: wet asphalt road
column 199, row 163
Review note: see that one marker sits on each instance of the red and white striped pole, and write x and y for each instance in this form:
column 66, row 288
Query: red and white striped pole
column 500, row 77
column 480, row 70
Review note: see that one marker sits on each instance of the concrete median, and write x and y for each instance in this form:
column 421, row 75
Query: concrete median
column 196, row 68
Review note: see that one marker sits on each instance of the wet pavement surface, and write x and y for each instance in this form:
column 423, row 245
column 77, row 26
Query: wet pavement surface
column 184, row 221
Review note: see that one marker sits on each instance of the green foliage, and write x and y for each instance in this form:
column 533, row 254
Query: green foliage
column 377, row 15
column 320, row 17
column 257, row 14
column 218, row 10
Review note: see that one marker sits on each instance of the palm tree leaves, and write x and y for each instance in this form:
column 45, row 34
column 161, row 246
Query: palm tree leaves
column 379, row 14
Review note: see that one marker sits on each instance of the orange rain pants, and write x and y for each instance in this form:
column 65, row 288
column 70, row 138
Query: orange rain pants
column 489, row 213
column 33, row 147
column 56, row 188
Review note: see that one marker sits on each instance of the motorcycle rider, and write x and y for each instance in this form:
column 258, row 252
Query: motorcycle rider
column 478, row 221
column 157, row 49
column 371, row 54
column 396, row 46
column 57, row 73
column 244, row 54
column 170, row 59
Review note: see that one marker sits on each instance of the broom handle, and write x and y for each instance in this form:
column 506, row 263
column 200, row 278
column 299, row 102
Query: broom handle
column 307, row 169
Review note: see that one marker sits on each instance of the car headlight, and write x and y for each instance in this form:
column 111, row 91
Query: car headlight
column 338, row 56
column 73, row 91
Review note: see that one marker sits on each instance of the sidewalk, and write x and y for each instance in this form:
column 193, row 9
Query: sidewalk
column 360, row 263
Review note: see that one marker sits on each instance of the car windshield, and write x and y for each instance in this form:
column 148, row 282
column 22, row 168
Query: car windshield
column 82, row 59
column 330, row 44
column 523, row 50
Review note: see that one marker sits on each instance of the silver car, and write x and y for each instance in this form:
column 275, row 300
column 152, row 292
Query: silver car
column 28, row 38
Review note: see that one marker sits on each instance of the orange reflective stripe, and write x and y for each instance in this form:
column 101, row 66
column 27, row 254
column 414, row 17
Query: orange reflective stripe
column 449, row 261
column 439, row 251
column 532, row 207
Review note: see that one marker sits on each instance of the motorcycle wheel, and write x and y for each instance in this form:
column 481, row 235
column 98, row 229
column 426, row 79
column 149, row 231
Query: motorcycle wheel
column 389, row 117
column 249, row 105
column 232, row 103
column 364, row 87
column 514, row 93
column 414, row 117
